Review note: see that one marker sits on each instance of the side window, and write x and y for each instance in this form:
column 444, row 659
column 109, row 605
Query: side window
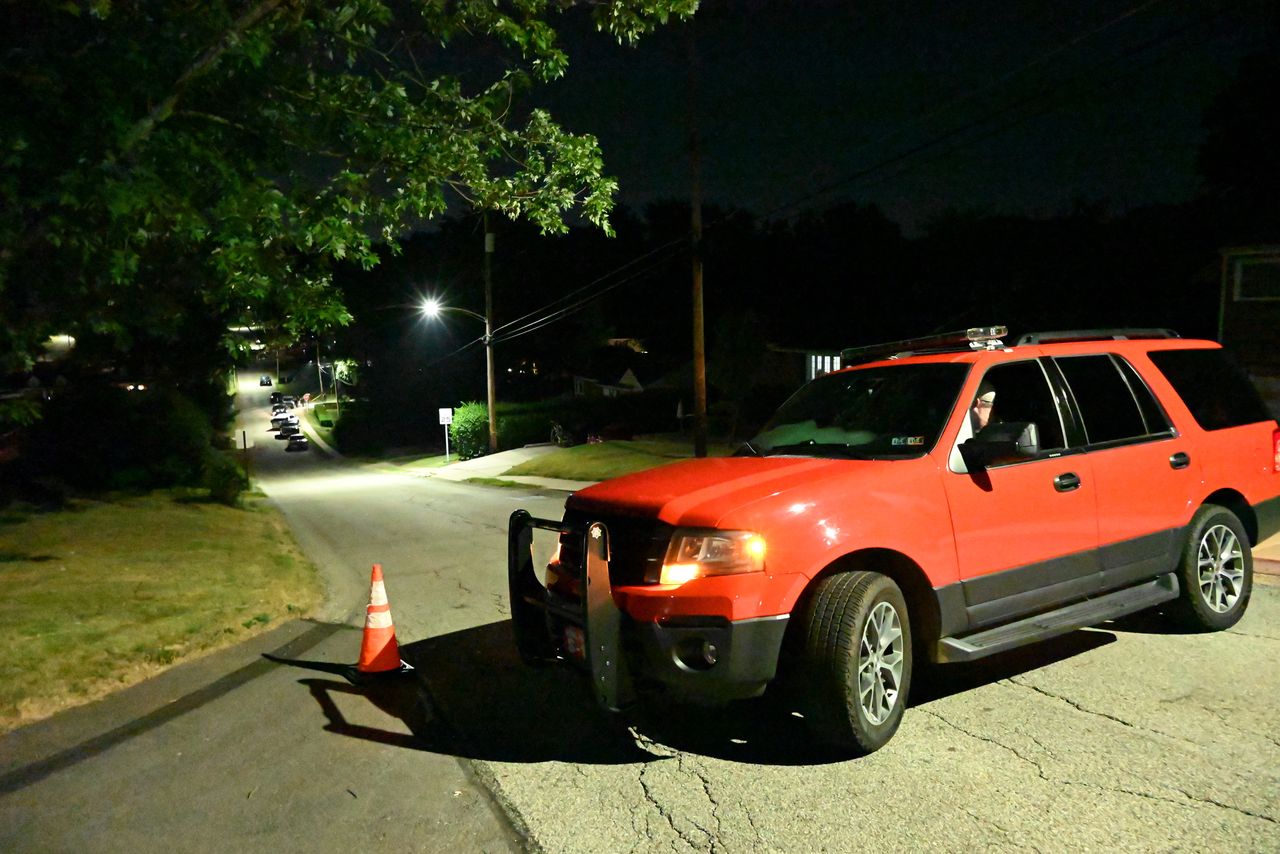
column 1217, row 392
column 1152, row 412
column 1022, row 393
column 1106, row 402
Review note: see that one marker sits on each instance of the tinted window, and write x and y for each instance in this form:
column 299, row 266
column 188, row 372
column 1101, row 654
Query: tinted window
column 1152, row 413
column 1106, row 404
column 894, row 411
column 1022, row 394
column 1216, row 391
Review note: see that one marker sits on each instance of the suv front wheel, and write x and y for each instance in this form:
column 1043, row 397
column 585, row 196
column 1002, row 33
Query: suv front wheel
column 856, row 670
column 1216, row 571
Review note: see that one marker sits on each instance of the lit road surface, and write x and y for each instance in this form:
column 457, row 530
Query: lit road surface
column 1125, row 738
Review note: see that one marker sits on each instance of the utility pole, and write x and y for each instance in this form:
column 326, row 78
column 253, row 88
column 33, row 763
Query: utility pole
column 695, row 223
column 488, row 335
column 319, row 373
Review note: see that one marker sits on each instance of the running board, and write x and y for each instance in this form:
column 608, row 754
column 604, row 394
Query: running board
column 1090, row 612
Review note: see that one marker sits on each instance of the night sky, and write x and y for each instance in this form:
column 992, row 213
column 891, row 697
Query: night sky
column 1021, row 108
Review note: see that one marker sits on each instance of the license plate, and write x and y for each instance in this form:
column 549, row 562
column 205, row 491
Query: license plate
column 575, row 643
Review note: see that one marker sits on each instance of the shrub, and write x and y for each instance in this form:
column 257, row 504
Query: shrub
column 517, row 429
column 359, row 430
column 100, row 437
column 470, row 430
column 223, row 477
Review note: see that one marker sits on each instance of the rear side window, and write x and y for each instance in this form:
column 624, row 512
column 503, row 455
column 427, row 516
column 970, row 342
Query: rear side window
column 1109, row 402
column 1216, row 391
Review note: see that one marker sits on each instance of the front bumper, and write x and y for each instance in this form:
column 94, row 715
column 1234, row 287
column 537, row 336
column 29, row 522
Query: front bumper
column 699, row 659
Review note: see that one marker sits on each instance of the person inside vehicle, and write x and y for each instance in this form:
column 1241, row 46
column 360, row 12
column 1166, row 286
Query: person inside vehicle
column 983, row 402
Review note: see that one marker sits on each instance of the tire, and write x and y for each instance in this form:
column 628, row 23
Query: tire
column 855, row 672
column 1215, row 572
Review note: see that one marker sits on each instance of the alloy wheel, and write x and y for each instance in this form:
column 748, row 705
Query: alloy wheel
column 880, row 667
column 1221, row 567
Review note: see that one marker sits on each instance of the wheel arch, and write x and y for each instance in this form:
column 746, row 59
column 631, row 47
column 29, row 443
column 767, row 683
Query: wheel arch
column 922, row 602
column 1239, row 505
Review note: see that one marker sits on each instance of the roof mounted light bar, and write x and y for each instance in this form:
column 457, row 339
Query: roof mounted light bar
column 974, row 338
column 1094, row 335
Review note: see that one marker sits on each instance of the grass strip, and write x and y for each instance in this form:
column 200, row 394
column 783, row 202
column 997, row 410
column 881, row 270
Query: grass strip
column 610, row 459
column 109, row 592
column 317, row 412
column 496, row 481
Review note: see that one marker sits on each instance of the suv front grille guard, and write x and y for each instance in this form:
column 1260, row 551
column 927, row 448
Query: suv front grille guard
column 595, row 613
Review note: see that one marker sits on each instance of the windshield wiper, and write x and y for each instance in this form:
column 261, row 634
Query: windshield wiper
column 747, row 450
column 819, row 449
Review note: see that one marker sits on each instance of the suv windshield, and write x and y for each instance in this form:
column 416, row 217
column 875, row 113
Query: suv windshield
column 893, row 411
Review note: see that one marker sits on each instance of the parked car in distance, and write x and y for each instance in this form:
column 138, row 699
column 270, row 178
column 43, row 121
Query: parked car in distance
column 290, row 401
column 277, row 397
column 297, row 442
column 287, row 430
column 264, row 380
column 283, row 421
column 938, row 500
column 278, row 409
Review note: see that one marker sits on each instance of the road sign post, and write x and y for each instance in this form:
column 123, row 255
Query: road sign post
column 446, row 418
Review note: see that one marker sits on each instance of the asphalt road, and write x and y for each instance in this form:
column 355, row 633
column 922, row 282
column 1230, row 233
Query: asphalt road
column 1127, row 737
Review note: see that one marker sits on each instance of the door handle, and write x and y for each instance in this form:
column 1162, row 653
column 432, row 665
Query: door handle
column 1066, row 482
column 1179, row 460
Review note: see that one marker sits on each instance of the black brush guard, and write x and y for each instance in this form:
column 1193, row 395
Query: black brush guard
column 595, row 613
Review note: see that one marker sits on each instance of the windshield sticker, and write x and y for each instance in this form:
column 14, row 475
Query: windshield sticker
column 908, row 440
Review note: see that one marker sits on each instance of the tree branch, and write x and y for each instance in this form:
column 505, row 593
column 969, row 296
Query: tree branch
column 143, row 127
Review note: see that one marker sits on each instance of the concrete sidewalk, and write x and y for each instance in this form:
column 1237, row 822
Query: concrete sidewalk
column 496, row 466
column 1266, row 560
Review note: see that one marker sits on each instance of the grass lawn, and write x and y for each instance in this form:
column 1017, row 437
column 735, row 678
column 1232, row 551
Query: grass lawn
column 326, row 411
column 108, row 592
column 611, row 459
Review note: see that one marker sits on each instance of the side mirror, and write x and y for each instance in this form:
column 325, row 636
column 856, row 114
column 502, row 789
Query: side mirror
column 1005, row 442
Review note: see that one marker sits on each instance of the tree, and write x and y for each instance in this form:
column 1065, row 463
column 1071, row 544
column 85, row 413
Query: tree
column 164, row 160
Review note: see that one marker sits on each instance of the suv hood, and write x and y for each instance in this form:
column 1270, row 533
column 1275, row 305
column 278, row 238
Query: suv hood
column 699, row 493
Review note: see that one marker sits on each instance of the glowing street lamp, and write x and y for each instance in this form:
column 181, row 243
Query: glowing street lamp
column 432, row 308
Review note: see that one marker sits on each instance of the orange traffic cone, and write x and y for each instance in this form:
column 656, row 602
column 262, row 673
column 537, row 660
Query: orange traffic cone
column 379, row 652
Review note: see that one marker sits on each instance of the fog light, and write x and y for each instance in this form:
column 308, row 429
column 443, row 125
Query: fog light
column 697, row 653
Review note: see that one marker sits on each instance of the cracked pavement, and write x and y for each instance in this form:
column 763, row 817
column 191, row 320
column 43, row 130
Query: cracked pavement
column 1125, row 738
column 1120, row 738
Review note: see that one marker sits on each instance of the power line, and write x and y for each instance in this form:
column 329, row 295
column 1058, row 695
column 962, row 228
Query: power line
column 591, row 284
column 1013, row 107
column 535, row 325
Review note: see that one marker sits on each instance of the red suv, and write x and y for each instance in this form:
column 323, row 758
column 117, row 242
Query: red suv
column 948, row 497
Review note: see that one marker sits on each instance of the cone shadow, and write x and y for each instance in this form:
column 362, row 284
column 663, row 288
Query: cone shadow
column 471, row 696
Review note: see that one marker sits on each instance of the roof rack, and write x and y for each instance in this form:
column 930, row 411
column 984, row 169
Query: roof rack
column 1094, row 335
column 975, row 338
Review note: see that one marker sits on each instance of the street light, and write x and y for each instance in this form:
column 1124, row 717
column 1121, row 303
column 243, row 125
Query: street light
column 432, row 308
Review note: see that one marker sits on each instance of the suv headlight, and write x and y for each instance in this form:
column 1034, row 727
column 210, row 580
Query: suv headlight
column 699, row 553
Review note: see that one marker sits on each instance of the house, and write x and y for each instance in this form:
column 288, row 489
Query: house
column 1249, row 314
column 614, row 369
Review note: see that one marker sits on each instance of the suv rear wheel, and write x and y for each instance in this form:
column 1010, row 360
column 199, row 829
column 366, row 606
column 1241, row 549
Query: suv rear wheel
column 1216, row 571
column 856, row 669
